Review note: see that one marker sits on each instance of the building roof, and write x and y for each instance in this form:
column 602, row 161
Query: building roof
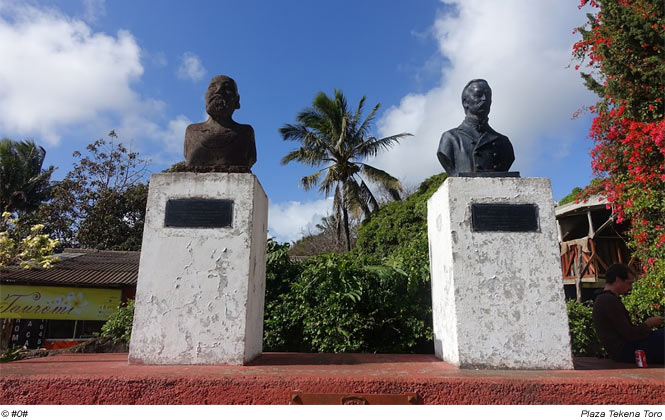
column 81, row 267
column 593, row 202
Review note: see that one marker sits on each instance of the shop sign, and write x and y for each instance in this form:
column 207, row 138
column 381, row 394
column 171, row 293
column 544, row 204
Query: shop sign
column 37, row 302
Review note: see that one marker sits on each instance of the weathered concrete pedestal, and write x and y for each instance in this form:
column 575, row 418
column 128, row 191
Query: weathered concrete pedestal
column 497, row 293
column 201, row 285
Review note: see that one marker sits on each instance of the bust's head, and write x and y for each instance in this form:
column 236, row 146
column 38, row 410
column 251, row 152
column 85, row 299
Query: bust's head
column 222, row 97
column 477, row 98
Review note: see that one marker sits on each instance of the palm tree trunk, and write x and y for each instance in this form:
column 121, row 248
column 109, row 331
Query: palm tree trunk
column 346, row 228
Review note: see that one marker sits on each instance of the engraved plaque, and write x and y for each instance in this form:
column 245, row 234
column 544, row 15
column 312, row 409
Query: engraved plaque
column 504, row 217
column 198, row 213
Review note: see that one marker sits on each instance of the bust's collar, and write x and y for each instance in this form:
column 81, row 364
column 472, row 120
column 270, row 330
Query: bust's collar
column 477, row 123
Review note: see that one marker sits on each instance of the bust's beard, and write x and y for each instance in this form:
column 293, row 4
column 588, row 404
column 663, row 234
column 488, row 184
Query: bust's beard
column 219, row 107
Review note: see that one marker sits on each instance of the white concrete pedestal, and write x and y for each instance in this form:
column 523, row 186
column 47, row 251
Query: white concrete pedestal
column 200, row 291
column 497, row 297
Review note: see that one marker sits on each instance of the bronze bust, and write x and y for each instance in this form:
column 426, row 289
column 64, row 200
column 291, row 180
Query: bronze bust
column 220, row 144
column 474, row 147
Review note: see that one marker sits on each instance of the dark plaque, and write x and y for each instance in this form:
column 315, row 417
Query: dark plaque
column 504, row 217
column 198, row 213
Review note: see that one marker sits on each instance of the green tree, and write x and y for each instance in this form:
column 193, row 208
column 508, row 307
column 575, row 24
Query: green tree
column 101, row 202
column 324, row 239
column 622, row 47
column 24, row 185
column 575, row 193
column 334, row 137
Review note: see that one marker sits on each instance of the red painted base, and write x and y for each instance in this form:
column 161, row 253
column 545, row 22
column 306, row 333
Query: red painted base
column 273, row 377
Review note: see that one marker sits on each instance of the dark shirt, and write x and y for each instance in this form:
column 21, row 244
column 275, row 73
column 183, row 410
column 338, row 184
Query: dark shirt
column 474, row 147
column 613, row 326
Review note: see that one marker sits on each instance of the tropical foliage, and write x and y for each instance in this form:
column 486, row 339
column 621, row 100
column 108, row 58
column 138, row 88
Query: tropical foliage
column 101, row 202
column 23, row 183
column 343, row 303
column 574, row 195
column 375, row 298
column 621, row 48
column 584, row 341
column 325, row 238
column 333, row 136
column 119, row 325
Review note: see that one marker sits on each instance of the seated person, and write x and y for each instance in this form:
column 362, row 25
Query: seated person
column 616, row 332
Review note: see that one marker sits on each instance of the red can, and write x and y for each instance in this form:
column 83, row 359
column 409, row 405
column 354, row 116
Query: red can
column 640, row 358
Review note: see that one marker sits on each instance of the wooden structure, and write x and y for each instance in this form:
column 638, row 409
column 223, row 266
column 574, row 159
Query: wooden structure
column 590, row 240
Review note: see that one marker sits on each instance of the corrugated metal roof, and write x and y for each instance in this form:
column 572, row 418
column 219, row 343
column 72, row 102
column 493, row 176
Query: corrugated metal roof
column 81, row 267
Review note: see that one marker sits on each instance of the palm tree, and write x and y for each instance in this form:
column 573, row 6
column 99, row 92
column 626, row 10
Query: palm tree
column 23, row 183
column 333, row 137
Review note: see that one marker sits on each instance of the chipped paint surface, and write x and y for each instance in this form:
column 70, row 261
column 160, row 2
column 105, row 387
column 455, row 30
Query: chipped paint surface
column 200, row 291
column 497, row 297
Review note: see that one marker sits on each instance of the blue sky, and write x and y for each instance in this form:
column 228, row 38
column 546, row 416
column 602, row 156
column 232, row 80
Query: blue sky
column 72, row 70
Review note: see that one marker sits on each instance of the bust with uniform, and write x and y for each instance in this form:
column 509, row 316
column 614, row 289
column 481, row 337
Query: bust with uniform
column 474, row 147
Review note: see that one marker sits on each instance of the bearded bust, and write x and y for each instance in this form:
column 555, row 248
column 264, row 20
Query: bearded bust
column 220, row 144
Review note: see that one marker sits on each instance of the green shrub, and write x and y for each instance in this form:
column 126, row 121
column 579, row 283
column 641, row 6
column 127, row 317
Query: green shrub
column 343, row 303
column 648, row 296
column 376, row 298
column 398, row 223
column 583, row 337
column 119, row 325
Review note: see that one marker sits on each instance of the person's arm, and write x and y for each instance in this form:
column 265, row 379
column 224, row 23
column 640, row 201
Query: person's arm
column 617, row 315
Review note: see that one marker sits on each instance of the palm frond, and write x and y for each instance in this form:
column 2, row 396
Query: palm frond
column 380, row 177
column 309, row 181
column 372, row 147
column 368, row 197
column 359, row 112
column 307, row 156
column 363, row 129
column 354, row 198
column 293, row 132
column 23, row 183
column 328, row 182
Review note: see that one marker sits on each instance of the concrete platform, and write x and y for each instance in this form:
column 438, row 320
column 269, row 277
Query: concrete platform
column 270, row 379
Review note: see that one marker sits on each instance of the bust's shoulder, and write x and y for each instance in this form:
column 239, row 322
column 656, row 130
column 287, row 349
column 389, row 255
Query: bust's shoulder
column 201, row 126
column 496, row 134
column 245, row 129
column 453, row 133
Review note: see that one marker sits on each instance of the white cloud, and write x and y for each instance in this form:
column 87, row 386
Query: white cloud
column 191, row 67
column 290, row 221
column 522, row 48
column 56, row 72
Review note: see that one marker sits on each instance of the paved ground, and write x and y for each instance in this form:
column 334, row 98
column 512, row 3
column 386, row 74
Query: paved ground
column 273, row 377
